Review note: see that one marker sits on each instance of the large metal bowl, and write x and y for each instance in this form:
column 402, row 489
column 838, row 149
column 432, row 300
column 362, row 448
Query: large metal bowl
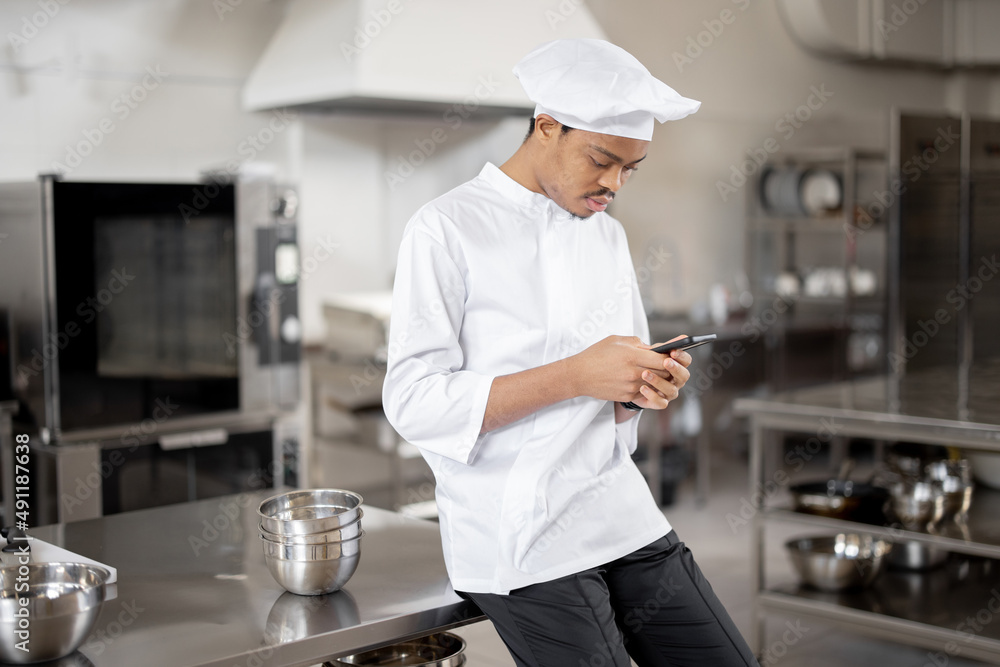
column 439, row 650
column 839, row 562
column 348, row 532
column 312, row 577
column 309, row 511
column 63, row 603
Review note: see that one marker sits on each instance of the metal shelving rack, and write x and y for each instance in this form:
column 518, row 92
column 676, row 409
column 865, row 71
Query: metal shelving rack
column 864, row 409
column 774, row 243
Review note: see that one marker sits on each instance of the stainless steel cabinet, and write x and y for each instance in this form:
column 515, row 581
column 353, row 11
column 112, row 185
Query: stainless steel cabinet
column 944, row 242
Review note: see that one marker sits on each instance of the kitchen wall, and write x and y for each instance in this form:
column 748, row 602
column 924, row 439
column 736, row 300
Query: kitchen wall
column 108, row 89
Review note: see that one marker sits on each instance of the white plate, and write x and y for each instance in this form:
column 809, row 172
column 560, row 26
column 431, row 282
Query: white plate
column 820, row 192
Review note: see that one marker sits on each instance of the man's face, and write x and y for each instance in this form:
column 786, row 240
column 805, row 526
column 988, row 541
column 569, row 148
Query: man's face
column 583, row 171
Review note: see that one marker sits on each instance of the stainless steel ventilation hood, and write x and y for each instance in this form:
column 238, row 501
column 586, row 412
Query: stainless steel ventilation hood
column 935, row 34
column 408, row 56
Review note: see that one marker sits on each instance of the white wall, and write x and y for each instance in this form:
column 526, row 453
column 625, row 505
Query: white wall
column 70, row 75
column 57, row 88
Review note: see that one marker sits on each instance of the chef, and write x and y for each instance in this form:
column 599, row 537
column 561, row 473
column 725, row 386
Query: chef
column 517, row 337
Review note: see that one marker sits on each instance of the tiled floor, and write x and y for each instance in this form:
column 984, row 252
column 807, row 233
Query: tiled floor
column 722, row 553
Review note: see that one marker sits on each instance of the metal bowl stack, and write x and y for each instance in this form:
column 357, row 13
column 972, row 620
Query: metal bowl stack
column 54, row 605
column 312, row 538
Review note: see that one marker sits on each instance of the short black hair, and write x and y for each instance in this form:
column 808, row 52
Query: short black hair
column 531, row 129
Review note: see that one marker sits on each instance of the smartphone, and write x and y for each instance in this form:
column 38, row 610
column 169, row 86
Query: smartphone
column 685, row 343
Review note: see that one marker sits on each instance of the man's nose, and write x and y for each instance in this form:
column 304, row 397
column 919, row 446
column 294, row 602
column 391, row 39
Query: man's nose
column 611, row 179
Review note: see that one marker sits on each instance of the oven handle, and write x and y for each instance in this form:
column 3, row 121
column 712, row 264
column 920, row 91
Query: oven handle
column 206, row 438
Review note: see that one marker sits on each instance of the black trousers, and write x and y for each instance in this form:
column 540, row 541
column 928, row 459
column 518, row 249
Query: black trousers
column 653, row 605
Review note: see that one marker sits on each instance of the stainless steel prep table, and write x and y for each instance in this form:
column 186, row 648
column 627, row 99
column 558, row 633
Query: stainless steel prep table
column 934, row 407
column 193, row 589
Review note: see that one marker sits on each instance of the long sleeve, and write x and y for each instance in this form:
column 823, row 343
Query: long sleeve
column 627, row 432
column 428, row 398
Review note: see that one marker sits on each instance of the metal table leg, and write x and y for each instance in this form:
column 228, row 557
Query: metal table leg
column 7, row 409
column 757, row 627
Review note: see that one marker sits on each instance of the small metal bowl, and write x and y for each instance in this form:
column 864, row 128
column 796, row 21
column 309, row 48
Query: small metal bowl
column 439, row 650
column 64, row 601
column 917, row 504
column 309, row 511
column 348, row 532
column 312, row 577
column 839, row 562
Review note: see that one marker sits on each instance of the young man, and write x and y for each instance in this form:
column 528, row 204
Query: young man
column 517, row 336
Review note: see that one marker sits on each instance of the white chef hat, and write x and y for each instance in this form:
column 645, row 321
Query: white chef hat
column 594, row 85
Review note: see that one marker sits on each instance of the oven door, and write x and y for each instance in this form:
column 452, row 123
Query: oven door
column 144, row 292
column 186, row 467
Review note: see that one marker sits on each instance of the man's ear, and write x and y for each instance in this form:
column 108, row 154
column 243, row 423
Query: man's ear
column 547, row 128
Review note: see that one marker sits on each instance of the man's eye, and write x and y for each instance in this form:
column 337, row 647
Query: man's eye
column 598, row 164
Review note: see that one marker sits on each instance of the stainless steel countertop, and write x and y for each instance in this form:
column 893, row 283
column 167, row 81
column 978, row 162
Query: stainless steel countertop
column 193, row 589
column 929, row 405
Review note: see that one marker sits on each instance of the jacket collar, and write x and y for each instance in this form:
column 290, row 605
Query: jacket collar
column 520, row 195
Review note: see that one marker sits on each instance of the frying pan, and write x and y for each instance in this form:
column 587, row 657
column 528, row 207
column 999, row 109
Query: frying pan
column 842, row 498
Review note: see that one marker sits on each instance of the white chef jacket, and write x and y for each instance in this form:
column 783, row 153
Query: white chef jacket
column 494, row 279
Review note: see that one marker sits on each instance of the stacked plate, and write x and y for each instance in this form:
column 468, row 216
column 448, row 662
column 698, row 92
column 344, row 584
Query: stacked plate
column 312, row 538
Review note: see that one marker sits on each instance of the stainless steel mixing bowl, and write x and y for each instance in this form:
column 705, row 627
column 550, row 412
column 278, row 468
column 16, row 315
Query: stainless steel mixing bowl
column 347, row 532
column 311, row 552
column 312, row 577
column 63, row 603
column 917, row 503
column 839, row 562
column 438, row 650
column 309, row 511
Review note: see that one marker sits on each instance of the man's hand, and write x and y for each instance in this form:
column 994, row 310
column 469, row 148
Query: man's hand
column 623, row 368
